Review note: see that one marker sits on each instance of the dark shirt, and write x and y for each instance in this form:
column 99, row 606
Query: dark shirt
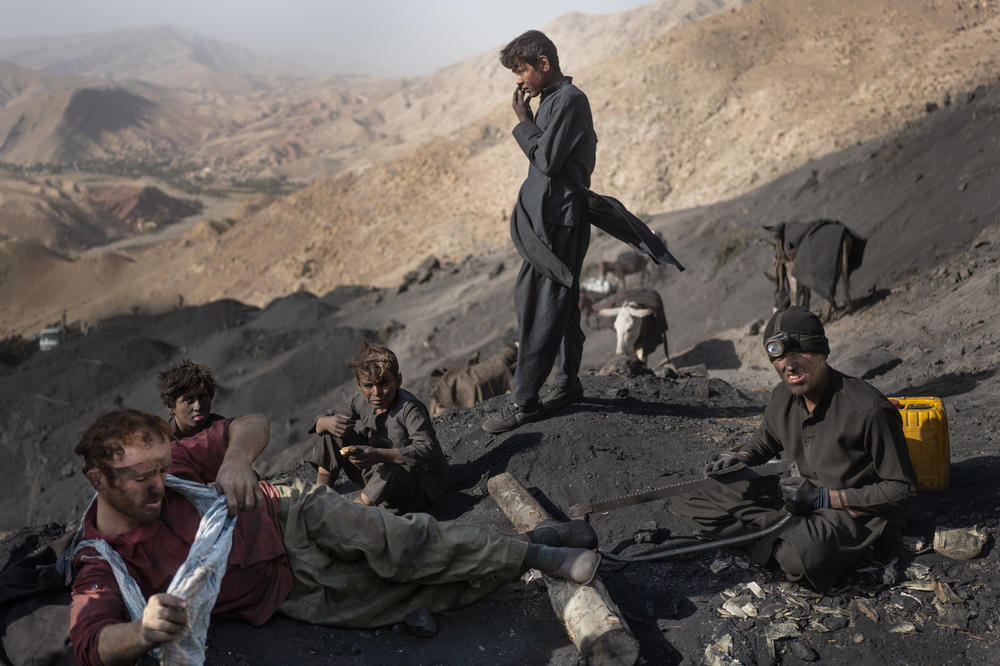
column 257, row 577
column 852, row 442
column 405, row 426
column 561, row 147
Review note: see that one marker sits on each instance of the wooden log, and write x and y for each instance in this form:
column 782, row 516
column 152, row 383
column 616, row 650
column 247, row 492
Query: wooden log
column 593, row 621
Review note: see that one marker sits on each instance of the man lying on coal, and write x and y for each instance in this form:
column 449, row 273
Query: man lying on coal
column 297, row 548
column 847, row 441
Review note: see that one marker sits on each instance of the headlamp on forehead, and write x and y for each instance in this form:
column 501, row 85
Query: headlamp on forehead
column 778, row 345
column 781, row 343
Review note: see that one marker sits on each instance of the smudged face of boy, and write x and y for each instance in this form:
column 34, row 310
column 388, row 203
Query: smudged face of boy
column 380, row 392
column 532, row 80
column 191, row 411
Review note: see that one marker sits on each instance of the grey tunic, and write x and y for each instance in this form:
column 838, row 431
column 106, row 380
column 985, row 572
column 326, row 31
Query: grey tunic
column 424, row 475
column 853, row 444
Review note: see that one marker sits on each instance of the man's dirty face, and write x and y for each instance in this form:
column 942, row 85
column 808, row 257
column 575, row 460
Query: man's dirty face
column 531, row 79
column 191, row 410
column 136, row 485
column 379, row 393
column 802, row 372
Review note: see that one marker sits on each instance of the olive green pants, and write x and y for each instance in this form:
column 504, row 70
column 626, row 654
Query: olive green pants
column 359, row 566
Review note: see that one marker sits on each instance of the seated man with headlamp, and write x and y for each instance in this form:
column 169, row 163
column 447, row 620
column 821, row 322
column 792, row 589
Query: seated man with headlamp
column 846, row 440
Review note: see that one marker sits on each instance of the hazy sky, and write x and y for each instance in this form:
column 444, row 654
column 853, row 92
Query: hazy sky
column 394, row 37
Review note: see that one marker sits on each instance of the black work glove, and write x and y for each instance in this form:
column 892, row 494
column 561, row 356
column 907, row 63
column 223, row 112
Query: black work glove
column 723, row 460
column 802, row 497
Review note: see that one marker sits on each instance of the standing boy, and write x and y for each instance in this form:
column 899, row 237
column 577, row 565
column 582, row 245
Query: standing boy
column 550, row 228
column 560, row 144
column 383, row 440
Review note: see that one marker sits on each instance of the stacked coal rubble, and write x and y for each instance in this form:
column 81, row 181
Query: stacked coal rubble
column 897, row 598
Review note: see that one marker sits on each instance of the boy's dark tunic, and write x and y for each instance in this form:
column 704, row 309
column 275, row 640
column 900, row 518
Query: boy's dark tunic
column 561, row 147
column 853, row 444
column 550, row 228
column 406, row 426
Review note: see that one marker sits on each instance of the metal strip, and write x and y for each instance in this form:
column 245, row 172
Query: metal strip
column 581, row 510
column 656, row 555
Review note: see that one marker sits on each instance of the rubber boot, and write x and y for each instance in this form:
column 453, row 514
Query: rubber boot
column 572, row 534
column 576, row 564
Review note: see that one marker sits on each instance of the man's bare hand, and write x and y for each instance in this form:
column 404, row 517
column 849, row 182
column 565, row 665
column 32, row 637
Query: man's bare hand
column 522, row 105
column 364, row 456
column 164, row 619
column 335, row 425
column 238, row 482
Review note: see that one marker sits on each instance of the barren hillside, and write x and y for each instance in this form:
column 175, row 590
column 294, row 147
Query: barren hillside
column 72, row 213
column 51, row 119
column 707, row 111
column 207, row 106
column 18, row 84
column 302, row 128
column 165, row 55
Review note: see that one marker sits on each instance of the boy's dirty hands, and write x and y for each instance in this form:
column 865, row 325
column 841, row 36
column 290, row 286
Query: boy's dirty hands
column 364, row 456
column 336, row 425
column 238, row 482
column 522, row 105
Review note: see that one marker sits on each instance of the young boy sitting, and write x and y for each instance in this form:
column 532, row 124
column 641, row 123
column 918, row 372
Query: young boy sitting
column 383, row 440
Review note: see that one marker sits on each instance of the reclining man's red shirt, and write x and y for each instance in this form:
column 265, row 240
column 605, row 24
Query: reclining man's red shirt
column 257, row 578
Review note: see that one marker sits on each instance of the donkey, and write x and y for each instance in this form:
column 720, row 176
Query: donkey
column 627, row 263
column 640, row 324
column 824, row 249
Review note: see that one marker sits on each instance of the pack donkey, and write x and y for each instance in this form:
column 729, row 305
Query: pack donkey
column 627, row 263
column 477, row 381
column 814, row 256
column 640, row 322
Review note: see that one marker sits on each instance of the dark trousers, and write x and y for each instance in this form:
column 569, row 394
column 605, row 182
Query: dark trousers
column 548, row 317
column 395, row 488
column 815, row 548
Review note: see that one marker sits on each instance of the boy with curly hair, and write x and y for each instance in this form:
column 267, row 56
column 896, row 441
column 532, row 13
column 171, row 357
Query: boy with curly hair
column 383, row 439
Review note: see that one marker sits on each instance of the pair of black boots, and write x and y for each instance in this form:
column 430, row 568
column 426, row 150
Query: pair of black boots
column 512, row 415
column 563, row 550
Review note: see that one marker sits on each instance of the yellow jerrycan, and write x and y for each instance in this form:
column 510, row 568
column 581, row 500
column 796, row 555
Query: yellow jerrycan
column 925, row 425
